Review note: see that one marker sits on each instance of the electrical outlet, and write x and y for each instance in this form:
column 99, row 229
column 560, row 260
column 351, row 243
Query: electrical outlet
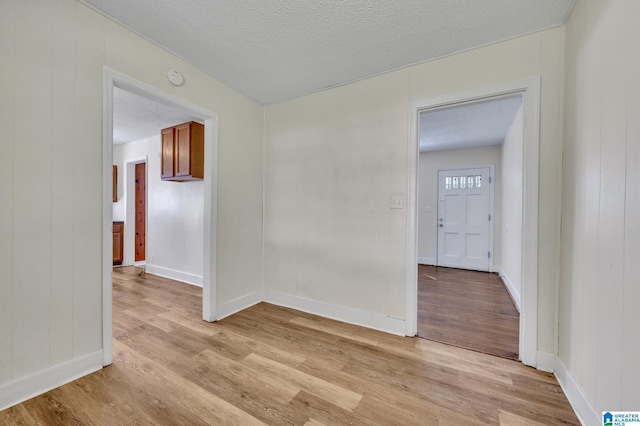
column 427, row 209
column 397, row 202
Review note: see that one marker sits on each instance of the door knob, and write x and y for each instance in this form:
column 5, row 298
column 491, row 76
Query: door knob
column 441, row 225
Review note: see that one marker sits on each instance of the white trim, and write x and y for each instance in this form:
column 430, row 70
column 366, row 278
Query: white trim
column 111, row 78
column 530, row 89
column 492, row 212
column 25, row 388
column 184, row 277
column 411, row 265
column 546, row 361
column 577, row 398
column 340, row 313
column 513, row 291
column 210, row 224
column 427, row 261
column 239, row 304
column 107, row 217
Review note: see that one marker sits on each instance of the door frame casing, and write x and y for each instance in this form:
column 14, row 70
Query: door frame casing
column 492, row 176
column 530, row 90
column 111, row 79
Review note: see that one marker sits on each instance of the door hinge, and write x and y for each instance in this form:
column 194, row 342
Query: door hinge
column 489, row 179
column 489, row 216
column 489, row 253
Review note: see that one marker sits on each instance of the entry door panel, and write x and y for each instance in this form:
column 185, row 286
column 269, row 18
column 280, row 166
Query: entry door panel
column 463, row 218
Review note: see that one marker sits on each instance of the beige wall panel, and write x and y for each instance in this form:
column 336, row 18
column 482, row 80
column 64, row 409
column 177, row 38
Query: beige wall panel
column 611, row 216
column 7, row 37
column 631, row 290
column 32, row 189
column 281, row 172
column 513, row 59
column 588, row 68
column 329, row 175
column 510, row 187
column 240, row 199
column 62, row 181
column 397, row 151
column 601, row 132
column 427, row 79
column 573, row 199
column 552, row 71
column 466, row 70
column 87, row 202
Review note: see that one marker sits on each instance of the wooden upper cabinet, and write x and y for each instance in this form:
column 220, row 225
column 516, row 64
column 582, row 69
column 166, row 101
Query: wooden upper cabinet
column 167, row 153
column 183, row 152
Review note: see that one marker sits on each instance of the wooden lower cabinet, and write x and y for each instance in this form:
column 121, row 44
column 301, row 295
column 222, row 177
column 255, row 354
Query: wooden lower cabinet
column 118, row 243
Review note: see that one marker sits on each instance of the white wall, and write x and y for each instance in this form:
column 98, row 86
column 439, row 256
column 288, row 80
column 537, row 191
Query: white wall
column 119, row 212
column 333, row 159
column 429, row 164
column 512, row 199
column 600, row 291
column 52, row 54
column 174, row 214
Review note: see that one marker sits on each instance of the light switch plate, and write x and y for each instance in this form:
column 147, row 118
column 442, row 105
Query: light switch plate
column 397, row 202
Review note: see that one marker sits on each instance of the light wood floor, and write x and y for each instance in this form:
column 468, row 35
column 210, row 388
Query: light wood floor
column 468, row 309
column 274, row 365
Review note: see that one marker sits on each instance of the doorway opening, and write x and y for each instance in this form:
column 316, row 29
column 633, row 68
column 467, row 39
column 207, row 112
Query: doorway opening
column 139, row 166
column 134, row 208
column 460, row 302
column 140, row 201
column 466, row 244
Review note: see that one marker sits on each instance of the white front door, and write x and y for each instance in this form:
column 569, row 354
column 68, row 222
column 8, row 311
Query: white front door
column 463, row 218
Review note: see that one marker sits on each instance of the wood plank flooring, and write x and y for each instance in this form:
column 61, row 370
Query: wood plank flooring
column 468, row 309
column 272, row 365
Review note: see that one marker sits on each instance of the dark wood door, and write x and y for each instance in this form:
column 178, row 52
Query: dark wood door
column 141, row 211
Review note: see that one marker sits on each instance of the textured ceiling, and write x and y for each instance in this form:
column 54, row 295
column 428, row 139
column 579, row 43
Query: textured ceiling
column 272, row 50
column 469, row 125
column 136, row 117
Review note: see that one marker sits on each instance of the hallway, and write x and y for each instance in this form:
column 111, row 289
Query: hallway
column 468, row 309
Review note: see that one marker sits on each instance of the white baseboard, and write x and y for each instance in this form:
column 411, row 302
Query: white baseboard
column 426, row 261
column 236, row 305
column 184, row 277
column 340, row 313
column 20, row 390
column 513, row 291
column 577, row 398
